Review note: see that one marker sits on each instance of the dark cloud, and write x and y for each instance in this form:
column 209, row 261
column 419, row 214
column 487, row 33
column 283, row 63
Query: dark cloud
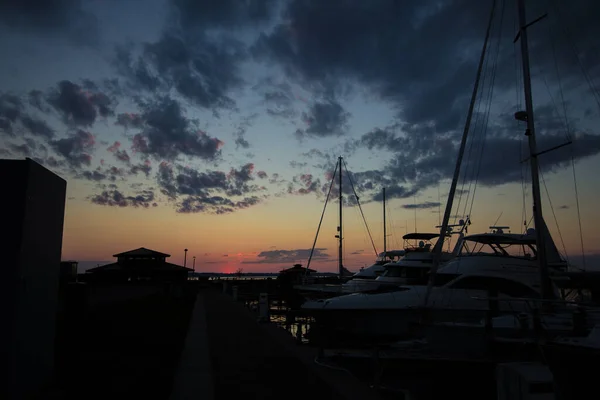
column 119, row 154
column 129, row 120
column 307, row 184
column 78, row 105
column 37, row 127
column 76, row 149
column 201, row 70
column 223, row 13
column 240, row 133
column 60, row 17
column 422, row 206
column 167, row 133
column 210, row 191
column 289, row 256
column 372, row 46
column 95, row 175
column 11, row 108
column 325, row 119
column 144, row 198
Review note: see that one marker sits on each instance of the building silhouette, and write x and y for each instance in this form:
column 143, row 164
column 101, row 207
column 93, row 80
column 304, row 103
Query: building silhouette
column 33, row 208
column 139, row 265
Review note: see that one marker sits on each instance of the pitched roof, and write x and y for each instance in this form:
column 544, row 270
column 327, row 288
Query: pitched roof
column 141, row 252
column 166, row 266
column 297, row 268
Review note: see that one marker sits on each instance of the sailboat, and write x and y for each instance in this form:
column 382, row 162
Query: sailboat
column 362, row 280
column 451, row 293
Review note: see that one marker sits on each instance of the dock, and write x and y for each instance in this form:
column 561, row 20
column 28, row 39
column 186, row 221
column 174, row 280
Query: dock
column 228, row 353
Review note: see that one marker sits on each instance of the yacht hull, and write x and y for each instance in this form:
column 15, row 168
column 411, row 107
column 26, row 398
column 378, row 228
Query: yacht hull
column 368, row 327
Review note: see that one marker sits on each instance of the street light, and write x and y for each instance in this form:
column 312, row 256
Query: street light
column 185, row 257
column 194, row 263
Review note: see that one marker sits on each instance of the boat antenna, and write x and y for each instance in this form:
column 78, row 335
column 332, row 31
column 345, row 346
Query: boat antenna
column 437, row 251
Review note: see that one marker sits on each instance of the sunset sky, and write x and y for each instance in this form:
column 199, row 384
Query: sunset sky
column 215, row 125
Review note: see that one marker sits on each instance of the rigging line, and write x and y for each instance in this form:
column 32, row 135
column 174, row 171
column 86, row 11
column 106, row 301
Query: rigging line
column 360, row 208
column 490, row 95
column 576, row 53
column 479, row 116
column 578, row 209
column 554, row 215
column 471, row 139
column 321, row 220
column 569, row 137
column 523, row 186
column 560, row 86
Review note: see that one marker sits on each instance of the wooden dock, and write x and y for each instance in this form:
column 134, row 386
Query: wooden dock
column 229, row 354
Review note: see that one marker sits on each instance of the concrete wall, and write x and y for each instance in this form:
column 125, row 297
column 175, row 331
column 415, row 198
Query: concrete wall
column 33, row 213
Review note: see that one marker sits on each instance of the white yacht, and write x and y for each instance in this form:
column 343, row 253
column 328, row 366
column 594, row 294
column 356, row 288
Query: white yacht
column 500, row 263
column 403, row 267
column 362, row 280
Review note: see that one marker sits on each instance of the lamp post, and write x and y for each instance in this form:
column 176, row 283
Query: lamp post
column 185, row 256
column 194, row 263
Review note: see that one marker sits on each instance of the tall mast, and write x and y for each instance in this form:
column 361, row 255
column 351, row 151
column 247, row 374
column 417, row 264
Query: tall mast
column 384, row 227
column 340, row 251
column 444, row 228
column 530, row 132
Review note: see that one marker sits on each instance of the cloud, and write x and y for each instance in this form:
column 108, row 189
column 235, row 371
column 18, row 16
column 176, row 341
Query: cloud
column 115, row 198
column 325, row 119
column 66, row 18
column 167, row 133
column 369, row 48
column 76, row 149
column 80, row 106
column 201, row 69
column 308, row 184
column 422, row 206
column 210, row 191
column 288, row 256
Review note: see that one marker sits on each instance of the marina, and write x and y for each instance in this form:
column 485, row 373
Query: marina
column 466, row 304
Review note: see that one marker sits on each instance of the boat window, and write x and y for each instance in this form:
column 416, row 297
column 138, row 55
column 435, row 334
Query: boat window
column 393, row 272
column 443, row 278
column 386, row 289
column 473, row 247
column 489, row 283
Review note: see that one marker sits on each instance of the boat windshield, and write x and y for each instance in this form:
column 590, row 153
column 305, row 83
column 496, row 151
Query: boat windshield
column 389, row 256
column 495, row 245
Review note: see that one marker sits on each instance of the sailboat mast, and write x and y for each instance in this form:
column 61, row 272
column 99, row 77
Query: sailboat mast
column 384, row 227
column 461, row 150
column 535, row 182
column 341, row 198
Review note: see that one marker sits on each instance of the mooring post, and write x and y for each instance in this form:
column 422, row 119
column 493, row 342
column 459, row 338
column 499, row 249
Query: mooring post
column 263, row 307
column 376, row 368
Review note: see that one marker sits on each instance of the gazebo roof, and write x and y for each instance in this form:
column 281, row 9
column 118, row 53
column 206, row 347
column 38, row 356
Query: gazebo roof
column 141, row 252
column 297, row 268
column 116, row 267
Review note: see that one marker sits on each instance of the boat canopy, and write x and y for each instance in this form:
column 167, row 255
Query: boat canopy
column 420, row 236
column 502, row 238
column 392, row 253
